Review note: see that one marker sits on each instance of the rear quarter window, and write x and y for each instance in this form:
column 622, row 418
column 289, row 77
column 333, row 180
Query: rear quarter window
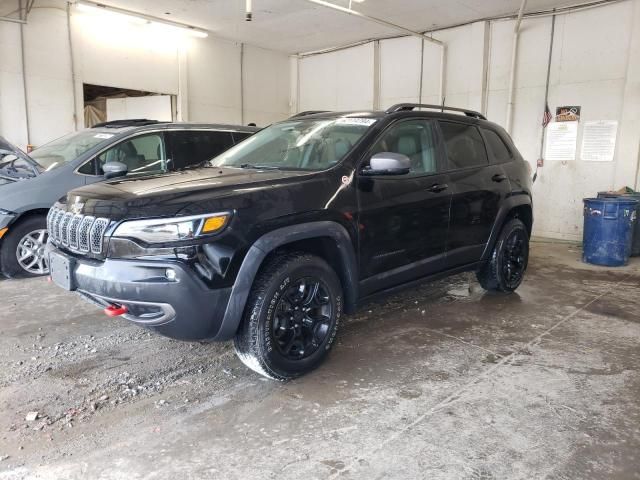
column 499, row 152
column 240, row 136
column 464, row 144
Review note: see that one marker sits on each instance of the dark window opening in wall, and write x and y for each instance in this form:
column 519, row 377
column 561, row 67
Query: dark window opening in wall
column 104, row 104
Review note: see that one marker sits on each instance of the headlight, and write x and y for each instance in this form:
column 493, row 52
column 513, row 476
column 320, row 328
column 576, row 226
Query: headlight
column 5, row 212
column 164, row 230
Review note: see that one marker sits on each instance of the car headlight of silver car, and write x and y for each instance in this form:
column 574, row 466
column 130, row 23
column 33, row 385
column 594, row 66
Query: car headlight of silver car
column 166, row 230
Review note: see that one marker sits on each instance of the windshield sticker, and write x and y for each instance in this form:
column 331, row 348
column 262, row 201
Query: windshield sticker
column 356, row 121
column 103, row 135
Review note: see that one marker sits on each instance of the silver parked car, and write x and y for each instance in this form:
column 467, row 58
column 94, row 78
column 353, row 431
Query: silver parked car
column 30, row 184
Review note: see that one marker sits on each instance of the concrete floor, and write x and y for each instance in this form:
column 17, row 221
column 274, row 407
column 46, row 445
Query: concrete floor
column 442, row 381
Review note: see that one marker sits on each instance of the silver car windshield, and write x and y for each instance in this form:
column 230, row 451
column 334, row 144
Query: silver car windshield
column 65, row 149
column 311, row 144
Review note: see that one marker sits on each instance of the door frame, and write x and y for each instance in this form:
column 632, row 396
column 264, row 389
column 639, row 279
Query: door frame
column 400, row 275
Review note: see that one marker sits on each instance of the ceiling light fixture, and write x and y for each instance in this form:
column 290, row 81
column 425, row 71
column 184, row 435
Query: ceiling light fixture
column 139, row 18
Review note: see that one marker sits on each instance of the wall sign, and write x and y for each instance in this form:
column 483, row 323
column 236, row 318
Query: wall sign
column 569, row 113
column 599, row 141
column 561, row 141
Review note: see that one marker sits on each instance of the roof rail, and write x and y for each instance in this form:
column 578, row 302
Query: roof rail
column 132, row 122
column 308, row 112
column 404, row 107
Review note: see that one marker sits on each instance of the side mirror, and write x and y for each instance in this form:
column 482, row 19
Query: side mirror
column 114, row 169
column 388, row 163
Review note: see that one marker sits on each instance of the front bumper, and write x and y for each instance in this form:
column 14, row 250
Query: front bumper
column 182, row 307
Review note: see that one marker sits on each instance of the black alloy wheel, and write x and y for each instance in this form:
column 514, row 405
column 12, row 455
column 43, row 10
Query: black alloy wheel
column 505, row 268
column 291, row 316
column 514, row 261
column 303, row 318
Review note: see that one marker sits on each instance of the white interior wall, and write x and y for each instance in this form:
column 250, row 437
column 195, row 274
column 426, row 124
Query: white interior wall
column 12, row 110
column 266, row 85
column 122, row 55
column 399, row 80
column 150, row 106
column 596, row 64
column 214, row 81
column 338, row 80
column 464, row 64
column 48, row 78
column 203, row 73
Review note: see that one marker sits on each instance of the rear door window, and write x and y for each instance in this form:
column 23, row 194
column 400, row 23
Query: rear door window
column 465, row 147
column 192, row 147
column 498, row 151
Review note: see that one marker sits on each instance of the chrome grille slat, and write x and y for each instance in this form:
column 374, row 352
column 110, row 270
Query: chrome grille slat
column 83, row 234
column 79, row 233
column 64, row 228
column 96, row 234
column 49, row 216
column 57, row 226
column 73, row 232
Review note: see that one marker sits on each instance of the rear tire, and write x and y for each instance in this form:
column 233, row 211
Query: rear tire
column 505, row 269
column 291, row 317
column 27, row 236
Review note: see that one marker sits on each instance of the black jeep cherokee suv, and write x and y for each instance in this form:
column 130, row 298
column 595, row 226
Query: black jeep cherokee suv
column 284, row 232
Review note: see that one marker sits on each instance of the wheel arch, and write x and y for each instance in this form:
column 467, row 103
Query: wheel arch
column 30, row 213
column 520, row 207
column 327, row 239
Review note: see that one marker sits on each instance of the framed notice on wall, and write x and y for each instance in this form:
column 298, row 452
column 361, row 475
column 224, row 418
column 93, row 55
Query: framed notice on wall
column 599, row 140
column 561, row 143
column 570, row 113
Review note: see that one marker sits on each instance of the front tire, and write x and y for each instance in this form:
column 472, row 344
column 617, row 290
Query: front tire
column 291, row 317
column 22, row 253
column 505, row 269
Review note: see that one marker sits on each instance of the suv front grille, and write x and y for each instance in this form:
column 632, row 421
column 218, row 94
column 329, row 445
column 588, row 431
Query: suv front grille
column 79, row 233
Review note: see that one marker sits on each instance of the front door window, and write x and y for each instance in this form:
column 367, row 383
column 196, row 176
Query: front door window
column 143, row 155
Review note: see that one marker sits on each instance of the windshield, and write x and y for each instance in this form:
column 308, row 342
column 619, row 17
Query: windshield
column 311, row 144
column 68, row 148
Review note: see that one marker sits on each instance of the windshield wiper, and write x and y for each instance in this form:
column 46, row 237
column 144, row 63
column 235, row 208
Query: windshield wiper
column 259, row 167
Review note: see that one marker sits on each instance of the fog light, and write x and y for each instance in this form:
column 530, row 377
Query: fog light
column 170, row 274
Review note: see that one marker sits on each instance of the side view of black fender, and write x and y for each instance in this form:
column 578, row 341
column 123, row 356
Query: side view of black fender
column 517, row 204
column 278, row 238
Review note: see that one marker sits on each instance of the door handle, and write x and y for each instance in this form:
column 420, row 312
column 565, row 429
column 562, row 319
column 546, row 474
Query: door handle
column 438, row 187
column 498, row 177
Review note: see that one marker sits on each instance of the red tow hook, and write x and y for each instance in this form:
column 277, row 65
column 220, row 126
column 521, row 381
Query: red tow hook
column 116, row 310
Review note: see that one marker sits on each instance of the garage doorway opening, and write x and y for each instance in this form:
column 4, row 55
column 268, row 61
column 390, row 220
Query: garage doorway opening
column 104, row 104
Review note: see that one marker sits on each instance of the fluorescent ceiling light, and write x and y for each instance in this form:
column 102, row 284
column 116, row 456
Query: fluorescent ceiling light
column 139, row 18
column 101, row 10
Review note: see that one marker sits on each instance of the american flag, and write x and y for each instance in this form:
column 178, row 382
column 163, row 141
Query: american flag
column 546, row 118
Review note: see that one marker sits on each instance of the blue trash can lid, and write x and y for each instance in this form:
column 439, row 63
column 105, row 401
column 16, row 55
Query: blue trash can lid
column 624, row 201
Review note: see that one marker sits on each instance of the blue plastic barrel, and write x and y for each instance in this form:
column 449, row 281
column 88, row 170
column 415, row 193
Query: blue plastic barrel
column 635, row 244
column 608, row 230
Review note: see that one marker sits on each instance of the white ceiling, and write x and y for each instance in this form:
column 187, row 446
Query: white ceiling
column 295, row 26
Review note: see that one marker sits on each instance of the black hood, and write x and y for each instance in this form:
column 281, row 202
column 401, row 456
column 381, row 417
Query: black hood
column 168, row 194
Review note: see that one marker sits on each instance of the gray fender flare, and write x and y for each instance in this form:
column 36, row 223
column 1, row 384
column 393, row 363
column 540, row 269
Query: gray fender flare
column 268, row 243
column 508, row 205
